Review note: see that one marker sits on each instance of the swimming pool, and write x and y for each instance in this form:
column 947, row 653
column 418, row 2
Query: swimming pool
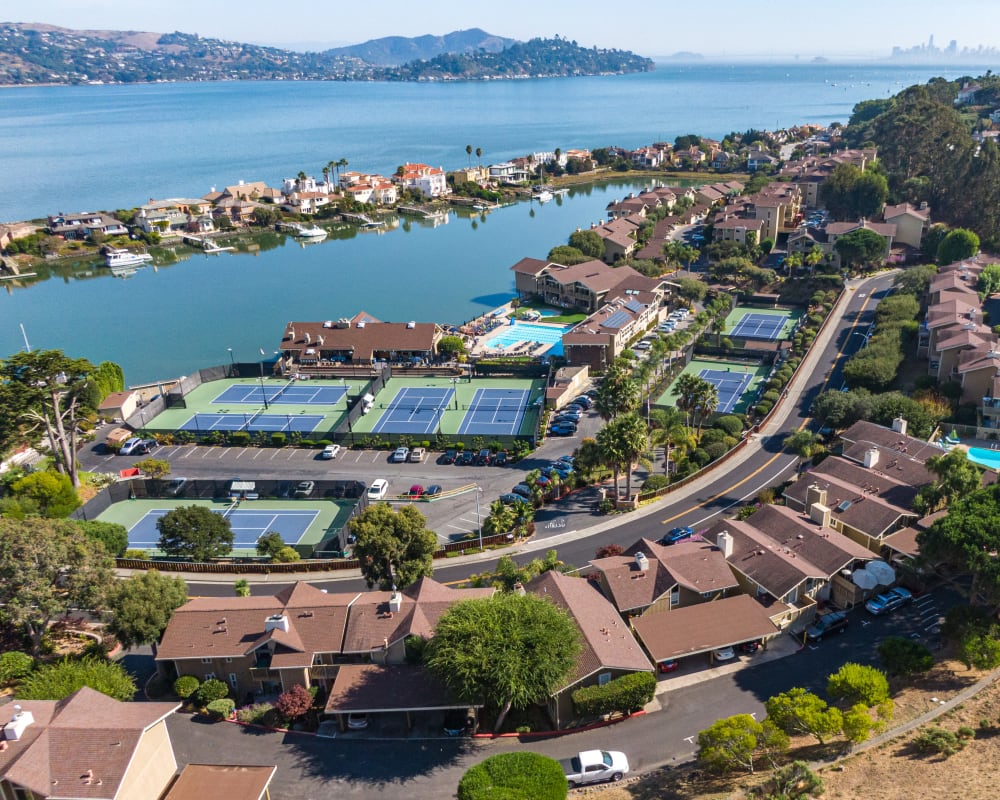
column 985, row 458
column 521, row 332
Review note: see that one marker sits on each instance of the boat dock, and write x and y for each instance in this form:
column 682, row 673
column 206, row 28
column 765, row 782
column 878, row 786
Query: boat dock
column 362, row 219
column 419, row 211
column 205, row 244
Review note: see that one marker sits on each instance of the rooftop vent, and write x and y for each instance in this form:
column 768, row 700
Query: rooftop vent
column 361, row 324
column 411, row 324
column 641, row 562
column 395, row 601
column 14, row 729
column 276, row 622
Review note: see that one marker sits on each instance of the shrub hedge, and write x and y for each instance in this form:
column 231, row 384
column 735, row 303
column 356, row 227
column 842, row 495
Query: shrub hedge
column 514, row 776
column 221, row 709
column 627, row 693
column 185, row 686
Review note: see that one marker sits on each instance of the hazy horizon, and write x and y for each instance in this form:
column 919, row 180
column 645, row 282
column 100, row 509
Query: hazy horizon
column 770, row 32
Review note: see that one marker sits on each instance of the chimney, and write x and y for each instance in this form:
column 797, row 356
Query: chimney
column 519, row 589
column 899, row 425
column 308, row 337
column 276, row 622
column 13, row 730
column 724, row 541
column 815, row 495
column 641, row 562
column 395, row 601
column 871, row 457
column 820, row 514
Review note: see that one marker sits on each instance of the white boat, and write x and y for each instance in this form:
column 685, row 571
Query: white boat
column 543, row 196
column 117, row 258
column 315, row 232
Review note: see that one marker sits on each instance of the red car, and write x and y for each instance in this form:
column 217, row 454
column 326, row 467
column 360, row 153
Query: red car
column 670, row 665
column 416, row 491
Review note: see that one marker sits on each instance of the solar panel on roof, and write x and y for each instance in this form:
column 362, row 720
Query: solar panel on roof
column 617, row 320
column 634, row 306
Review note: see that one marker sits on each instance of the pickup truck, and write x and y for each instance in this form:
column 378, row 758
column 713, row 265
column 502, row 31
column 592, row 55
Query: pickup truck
column 591, row 766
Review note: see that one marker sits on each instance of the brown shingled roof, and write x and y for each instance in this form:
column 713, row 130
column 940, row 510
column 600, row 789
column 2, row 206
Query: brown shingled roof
column 703, row 627
column 221, row 782
column 82, row 744
column 607, row 642
column 373, row 688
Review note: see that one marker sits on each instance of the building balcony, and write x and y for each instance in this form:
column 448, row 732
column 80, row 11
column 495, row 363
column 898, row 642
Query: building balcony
column 264, row 674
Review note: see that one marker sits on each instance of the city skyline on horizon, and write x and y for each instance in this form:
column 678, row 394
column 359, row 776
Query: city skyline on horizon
column 864, row 29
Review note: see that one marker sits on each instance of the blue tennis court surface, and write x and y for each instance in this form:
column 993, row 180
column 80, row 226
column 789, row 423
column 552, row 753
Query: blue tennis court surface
column 730, row 386
column 414, row 410
column 273, row 423
column 495, row 412
column 248, row 526
column 292, row 394
column 760, row 326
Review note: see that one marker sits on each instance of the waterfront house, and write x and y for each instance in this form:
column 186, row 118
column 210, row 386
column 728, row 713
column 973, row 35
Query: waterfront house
column 508, row 173
column 172, row 215
column 431, row 182
column 87, row 746
column 245, row 191
column 619, row 237
column 608, row 648
column 305, row 202
column 84, row 226
column 361, row 340
column 238, row 212
column 587, row 286
column 649, row 577
column 15, row 230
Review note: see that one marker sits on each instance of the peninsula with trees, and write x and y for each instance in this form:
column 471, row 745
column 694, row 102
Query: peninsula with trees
column 32, row 54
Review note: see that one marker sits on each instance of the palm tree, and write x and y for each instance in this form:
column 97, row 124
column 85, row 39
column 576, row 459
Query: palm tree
column 670, row 432
column 813, row 257
column 719, row 328
column 624, row 441
column 687, row 387
column 300, row 178
column 617, row 394
column 468, row 152
column 706, row 401
column 479, row 155
column 326, row 176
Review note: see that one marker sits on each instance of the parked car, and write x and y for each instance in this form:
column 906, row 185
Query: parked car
column 399, row 455
column 415, row 491
column 459, row 723
column 449, row 456
column 304, row 488
column 676, row 535
column 522, row 489
column 378, row 489
column 888, row 601
column 561, row 468
column 136, row 446
column 465, row 458
column 750, row 647
column 564, row 429
column 500, row 459
column 593, row 766
column 357, row 722
column 330, row 451
column 417, row 454
column 483, row 458
column 834, row 622
column 724, row 654
column 511, row 499
column 433, row 490
column 670, row 665
column 585, row 401
column 568, row 459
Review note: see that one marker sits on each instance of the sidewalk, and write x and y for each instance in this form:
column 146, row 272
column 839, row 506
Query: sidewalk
column 708, row 480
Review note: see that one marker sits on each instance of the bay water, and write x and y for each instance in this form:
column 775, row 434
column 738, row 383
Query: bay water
column 70, row 149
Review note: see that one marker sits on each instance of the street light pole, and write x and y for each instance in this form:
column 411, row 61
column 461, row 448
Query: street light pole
column 232, row 363
column 479, row 519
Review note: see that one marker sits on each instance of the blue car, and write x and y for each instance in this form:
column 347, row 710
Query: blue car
column 677, row 535
column 889, row 601
column 562, row 430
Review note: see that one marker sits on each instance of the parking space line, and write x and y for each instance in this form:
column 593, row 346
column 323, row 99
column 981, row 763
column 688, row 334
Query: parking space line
column 243, row 452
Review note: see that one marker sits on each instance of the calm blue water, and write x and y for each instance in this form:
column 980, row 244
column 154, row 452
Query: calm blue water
column 105, row 147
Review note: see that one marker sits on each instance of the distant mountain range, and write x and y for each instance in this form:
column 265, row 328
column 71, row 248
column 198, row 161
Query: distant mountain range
column 45, row 54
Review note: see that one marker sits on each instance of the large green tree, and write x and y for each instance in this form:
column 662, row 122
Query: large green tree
column 860, row 248
column 393, row 547
column 587, row 242
column 142, row 606
column 956, row 476
column 798, row 711
column 738, row 742
column 957, row 245
column 114, row 537
column 509, row 651
column 52, row 493
column 60, row 679
column 48, row 567
column 623, row 441
column 47, row 388
column 195, row 532
column 858, row 683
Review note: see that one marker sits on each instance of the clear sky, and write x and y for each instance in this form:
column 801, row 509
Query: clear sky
column 772, row 28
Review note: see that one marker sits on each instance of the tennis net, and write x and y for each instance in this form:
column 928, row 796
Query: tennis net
column 282, row 390
column 230, row 508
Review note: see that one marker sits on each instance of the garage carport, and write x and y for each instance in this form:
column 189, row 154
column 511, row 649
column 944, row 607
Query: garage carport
column 395, row 689
column 703, row 628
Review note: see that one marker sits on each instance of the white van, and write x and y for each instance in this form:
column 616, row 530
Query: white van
column 378, row 489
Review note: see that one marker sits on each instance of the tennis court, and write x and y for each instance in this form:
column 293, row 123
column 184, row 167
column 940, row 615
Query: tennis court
column 293, row 393
column 414, row 409
column 271, row 423
column 760, row 326
column 495, row 412
column 730, row 386
column 248, row 526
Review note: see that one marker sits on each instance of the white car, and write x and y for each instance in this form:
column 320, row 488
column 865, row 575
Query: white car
column 724, row 654
column 330, row 451
column 378, row 489
column 399, row 455
column 417, row 454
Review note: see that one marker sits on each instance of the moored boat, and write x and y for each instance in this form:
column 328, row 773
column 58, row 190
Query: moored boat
column 117, row 258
